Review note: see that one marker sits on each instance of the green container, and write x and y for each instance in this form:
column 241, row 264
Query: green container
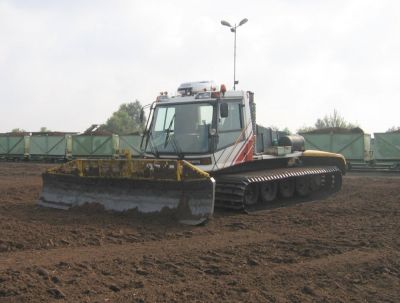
column 387, row 146
column 3, row 146
column 14, row 146
column 95, row 146
column 130, row 143
column 353, row 146
column 45, row 146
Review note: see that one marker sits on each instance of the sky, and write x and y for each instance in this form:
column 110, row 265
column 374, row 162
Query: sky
column 66, row 65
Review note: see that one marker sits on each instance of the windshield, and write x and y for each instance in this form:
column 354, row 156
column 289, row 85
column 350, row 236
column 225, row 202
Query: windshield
column 181, row 128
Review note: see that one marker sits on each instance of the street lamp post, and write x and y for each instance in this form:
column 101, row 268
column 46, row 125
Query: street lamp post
column 233, row 30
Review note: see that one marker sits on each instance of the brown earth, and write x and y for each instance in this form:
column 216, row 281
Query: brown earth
column 340, row 249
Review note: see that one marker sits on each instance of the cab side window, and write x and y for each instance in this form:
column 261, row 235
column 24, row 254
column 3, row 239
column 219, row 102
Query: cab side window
column 230, row 128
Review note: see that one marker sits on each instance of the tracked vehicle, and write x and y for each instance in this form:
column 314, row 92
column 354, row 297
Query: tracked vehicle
column 201, row 149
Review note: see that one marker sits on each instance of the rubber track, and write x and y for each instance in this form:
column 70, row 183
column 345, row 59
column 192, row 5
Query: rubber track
column 230, row 188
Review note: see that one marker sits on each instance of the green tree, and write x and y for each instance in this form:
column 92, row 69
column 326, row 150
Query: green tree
column 305, row 129
column 393, row 129
column 126, row 119
column 285, row 130
column 44, row 129
column 18, row 130
column 335, row 120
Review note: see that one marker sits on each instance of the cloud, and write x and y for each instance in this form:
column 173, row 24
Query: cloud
column 66, row 65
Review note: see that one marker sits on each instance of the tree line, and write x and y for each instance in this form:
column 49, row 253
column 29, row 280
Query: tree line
column 127, row 120
column 334, row 120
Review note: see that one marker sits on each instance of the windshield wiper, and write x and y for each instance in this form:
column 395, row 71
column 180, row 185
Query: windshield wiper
column 175, row 144
column 153, row 148
column 177, row 148
column 168, row 131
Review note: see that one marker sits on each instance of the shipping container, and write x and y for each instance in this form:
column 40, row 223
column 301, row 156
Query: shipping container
column 387, row 147
column 354, row 145
column 48, row 146
column 14, row 146
column 130, row 143
column 95, row 146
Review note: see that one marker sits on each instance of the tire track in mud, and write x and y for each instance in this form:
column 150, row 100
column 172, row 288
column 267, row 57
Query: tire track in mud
column 210, row 258
column 340, row 260
column 107, row 251
column 281, row 277
column 345, row 248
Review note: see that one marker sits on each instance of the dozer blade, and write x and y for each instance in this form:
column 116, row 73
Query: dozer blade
column 171, row 188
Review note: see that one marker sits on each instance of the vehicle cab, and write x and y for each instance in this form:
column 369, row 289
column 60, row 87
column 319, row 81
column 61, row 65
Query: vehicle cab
column 210, row 128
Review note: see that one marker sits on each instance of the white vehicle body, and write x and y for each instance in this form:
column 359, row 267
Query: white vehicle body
column 216, row 142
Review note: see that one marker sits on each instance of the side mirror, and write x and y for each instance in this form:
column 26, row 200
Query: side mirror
column 223, row 109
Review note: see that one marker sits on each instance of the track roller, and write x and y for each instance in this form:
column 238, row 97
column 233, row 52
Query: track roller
column 315, row 182
column 247, row 189
column 251, row 194
column 303, row 188
column 287, row 187
column 268, row 191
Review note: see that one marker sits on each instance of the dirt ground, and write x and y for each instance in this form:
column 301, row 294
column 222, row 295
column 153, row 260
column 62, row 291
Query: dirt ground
column 345, row 248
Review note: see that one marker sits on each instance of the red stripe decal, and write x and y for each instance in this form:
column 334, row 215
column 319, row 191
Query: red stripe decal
column 245, row 153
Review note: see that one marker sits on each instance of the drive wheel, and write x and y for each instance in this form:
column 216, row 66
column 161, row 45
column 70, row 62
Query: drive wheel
column 251, row 194
column 303, row 186
column 338, row 181
column 268, row 191
column 328, row 182
column 287, row 187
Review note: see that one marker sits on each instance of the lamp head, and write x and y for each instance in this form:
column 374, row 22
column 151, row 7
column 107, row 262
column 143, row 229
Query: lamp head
column 243, row 21
column 225, row 23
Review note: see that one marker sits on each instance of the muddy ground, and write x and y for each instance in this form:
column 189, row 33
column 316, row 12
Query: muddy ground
column 345, row 248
